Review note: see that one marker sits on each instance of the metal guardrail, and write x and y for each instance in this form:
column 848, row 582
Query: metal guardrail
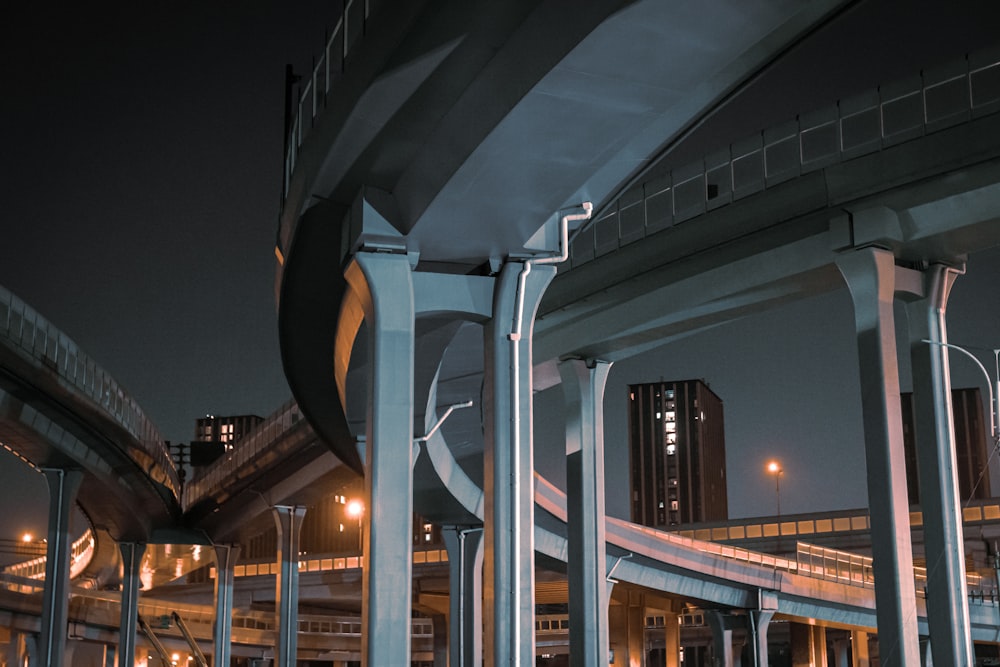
column 315, row 93
column 327, row 563
column 856, row 570
column 249, row 447
column 200, row 618
column 81, row 551
column 24, row 330
column 795, row 526
column 933, row 100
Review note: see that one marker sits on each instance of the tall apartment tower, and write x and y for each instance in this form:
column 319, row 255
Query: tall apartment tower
column 971, row 452
column 214, row 436
column 677, row 452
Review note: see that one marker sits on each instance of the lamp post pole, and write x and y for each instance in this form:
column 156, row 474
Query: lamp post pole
column 775, row 469
column 356, row 509
column 992, row 387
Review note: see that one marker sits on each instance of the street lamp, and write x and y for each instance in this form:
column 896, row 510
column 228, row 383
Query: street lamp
column 993, row 388
column 774, row 468
column 356, row 509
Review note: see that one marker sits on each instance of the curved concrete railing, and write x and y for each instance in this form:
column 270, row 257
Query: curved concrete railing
column 933, row 100
column 263, row 436
column 96, row 607
column 810, row 560
column 24, row 330
column 81, row 552
column 316, row 90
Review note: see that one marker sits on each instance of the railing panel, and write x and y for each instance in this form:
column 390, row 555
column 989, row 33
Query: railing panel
column 718, row 179
column 748, row 167
column 819, row 139
column 659, row 204
column 631, row 217
column 606, row 234
column 947, row 99
column 902, row 111
column 984, row 82
column 781, row 153
column 689, row 191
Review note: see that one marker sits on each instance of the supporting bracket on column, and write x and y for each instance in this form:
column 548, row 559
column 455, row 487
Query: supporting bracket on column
column 611, row 570
column 442, row 418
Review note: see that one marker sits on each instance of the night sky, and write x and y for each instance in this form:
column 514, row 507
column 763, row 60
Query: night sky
column 141, row 165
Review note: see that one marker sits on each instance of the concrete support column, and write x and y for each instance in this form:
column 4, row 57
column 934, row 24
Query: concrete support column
column 626, row 627
column 31, row 651
column 382, row 284
column 672, row 638
column 131, row 553
column 441, row 648
column 841, row 653
column 508, row 494
column 583, row 387
column 800, row 644
column 947, row 601
column 870, row 275
column 722, row 637
column 63, row 487
column 288, row 520
column 635, row 653
column 758, row 622
column 819, row 646
column 859, row 649
column 808, row 645
column 465, row 583
column 222, row 594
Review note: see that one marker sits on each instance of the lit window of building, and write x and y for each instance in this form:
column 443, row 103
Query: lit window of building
column 677, row 454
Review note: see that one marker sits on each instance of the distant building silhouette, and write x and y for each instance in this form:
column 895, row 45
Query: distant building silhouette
column 971, row 451
column 215, row 435
column 677, row 454
column 224, row 429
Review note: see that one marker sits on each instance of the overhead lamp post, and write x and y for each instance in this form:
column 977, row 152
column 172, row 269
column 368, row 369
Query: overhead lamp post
column 774, row 468
column 993, row 389
column 356, row 509
column 992, row 385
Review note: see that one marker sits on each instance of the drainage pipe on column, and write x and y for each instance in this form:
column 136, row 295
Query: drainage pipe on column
column 515, row 336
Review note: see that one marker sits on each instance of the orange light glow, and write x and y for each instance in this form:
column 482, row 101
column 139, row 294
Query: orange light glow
column 355, row 508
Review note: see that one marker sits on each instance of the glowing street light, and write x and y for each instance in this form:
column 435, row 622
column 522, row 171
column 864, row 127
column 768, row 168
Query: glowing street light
column 774, row 468
column 27, row 537
column 356, row 509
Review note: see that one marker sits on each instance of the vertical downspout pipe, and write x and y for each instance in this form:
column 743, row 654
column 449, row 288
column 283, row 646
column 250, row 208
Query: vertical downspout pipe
column 515, row 336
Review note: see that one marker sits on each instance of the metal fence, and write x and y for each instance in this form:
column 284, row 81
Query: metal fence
column 856, row 570
column 315, row 93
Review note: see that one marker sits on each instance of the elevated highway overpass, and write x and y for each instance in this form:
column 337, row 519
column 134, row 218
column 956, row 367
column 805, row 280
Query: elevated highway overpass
column 741, row 232
column 851, row 192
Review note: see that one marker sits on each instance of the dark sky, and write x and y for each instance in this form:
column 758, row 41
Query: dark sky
column 141, row 164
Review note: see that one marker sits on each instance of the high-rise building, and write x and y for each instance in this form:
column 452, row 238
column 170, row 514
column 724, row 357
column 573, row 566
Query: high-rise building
column 214, row 435
column 226, row 430
column 971, row 452
column 677, row 452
